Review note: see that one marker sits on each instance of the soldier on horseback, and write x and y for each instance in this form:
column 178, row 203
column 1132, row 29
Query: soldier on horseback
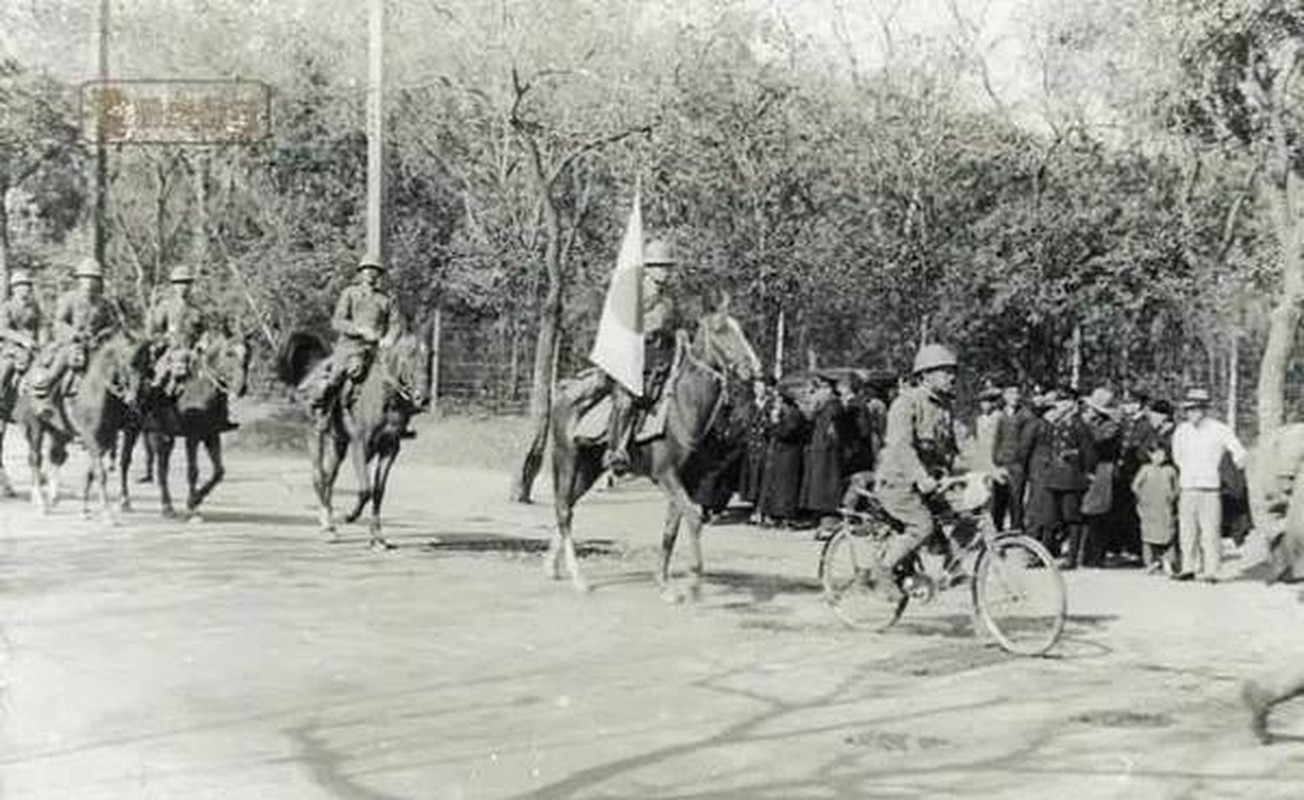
column 365, row 321
column 660, row 321
column 175, row 327
column 83, row 320
column 20, row 326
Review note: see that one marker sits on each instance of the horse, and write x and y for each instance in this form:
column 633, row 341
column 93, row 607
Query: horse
column 369, row 430
column 97, row 412
column 197, row 415
column 696, row 391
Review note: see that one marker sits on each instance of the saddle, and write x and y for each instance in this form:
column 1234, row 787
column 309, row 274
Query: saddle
column 649, row 423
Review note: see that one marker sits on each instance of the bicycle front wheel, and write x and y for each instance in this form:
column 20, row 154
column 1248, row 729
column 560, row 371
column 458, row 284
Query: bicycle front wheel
column 844, row 574
column 1018, row 592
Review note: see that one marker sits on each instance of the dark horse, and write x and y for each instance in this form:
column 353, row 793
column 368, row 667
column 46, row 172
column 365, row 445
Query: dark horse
column 102, row 407
column 397, row 387
column 696, row 393
column 196, row 415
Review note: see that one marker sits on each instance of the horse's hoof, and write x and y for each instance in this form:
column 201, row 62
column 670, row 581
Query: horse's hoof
column 169, row 512
column 145, row 479
column 672, row 596
column 550, row 569
column 195, row 518
column 582, row 586
column 124, row 506
column 695, row 593
column 7, row 492
column 383, row 545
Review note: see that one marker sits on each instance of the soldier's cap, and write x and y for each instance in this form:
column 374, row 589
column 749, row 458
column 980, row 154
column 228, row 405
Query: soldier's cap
column 181, row 274
column 989, row 392
column 20, row 277
column 371, row 262
column 657, row 253
column 1196, row 398
column 88, row 267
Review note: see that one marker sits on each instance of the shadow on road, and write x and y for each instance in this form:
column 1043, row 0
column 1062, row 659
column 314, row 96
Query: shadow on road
column 494, row 543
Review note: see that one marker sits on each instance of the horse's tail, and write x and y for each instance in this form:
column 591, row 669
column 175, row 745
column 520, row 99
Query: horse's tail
column 296, row 358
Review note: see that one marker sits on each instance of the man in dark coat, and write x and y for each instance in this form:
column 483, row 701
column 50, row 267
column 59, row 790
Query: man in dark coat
column 821, row 486
column 1014, row 432
column 1100, row 459
column 858, row 429
column 1039, row 517
column 758, row 441
column 1067, row 476
column 781, row 484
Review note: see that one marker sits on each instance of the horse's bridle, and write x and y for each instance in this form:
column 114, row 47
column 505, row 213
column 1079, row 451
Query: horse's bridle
column 398, row 382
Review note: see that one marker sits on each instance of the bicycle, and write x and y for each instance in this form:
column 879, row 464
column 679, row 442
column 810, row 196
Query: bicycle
column 1016, row 588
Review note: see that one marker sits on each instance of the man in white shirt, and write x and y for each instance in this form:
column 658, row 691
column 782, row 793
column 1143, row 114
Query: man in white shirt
column 1198, row 447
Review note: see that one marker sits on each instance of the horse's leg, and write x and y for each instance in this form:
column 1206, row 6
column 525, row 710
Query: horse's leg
column 35, row 443
column 578, row 469
column 162, row 445
column 358, row 456
column 6, row 490
column 384, row 461
column 150, row 454
column 213, row 447
column 129, row 436
column 326, row 467
column 192, row 470
column 681, row 507
column 563, row 482
column 669, row 533
column 100, row 471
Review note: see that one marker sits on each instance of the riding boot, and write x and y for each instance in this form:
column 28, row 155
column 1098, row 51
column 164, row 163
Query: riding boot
column 617, row 456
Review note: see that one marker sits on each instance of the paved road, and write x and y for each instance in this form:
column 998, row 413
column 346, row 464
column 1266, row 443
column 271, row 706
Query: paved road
column 245, row 658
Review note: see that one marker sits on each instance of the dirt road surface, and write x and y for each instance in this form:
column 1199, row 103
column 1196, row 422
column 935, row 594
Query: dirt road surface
column 246, row 658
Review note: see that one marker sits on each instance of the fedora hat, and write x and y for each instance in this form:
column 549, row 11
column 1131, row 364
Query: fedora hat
column 1101, row 400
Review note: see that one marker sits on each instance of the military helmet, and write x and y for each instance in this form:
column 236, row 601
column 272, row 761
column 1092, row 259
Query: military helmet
column 20, row 277
column 89, row 267
column 934, row 356
column 181, row 274
column 371, row 262
column 657, row 253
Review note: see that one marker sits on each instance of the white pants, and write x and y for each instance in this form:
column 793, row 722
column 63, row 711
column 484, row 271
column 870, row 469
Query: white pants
column 1199, row 530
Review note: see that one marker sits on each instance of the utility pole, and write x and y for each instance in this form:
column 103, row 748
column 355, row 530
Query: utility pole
column 375, row 130
column 101, row 153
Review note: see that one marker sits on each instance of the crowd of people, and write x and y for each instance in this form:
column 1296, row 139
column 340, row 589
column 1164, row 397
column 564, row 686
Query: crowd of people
column 1100, row 479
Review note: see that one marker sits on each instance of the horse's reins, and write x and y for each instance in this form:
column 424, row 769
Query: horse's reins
column 718, row 375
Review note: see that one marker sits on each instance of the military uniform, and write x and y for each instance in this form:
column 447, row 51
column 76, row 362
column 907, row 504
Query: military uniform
column 20, row 326
column 177, row 327
column 364, row 318
column 82, row 322
column 660, row 319
column 920, row 447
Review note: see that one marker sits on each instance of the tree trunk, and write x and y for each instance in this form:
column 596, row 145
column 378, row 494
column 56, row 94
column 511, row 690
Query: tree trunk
column 4, row 240
column 1285, row 317
column 545, row 345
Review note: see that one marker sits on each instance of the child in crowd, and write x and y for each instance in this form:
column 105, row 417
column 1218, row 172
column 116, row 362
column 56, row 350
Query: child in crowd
column 1155, row 488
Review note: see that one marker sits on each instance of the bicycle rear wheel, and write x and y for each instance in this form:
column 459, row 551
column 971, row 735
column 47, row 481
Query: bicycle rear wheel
column 1019, row 594
column 844, row 574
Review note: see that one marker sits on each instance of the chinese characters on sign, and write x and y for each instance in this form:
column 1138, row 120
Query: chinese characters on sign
column 180, row 112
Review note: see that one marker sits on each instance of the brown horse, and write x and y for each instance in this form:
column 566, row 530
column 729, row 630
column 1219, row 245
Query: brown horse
column 369, row 430
column 196, row 415
column 696, row 393
column 100, row 408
